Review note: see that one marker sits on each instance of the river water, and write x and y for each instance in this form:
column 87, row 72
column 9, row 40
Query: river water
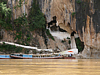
column 49, row 67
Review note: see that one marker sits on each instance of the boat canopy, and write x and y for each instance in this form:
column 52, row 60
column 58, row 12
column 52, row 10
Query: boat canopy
column 71, row 51
column 24, row 55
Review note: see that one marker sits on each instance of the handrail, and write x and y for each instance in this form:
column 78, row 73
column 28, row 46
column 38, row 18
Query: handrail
column 23, row 46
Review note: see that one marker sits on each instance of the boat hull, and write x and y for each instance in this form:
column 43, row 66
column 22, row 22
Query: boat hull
column 50, row 58
column 4, row 57
column 18, row 57
column 69, row 57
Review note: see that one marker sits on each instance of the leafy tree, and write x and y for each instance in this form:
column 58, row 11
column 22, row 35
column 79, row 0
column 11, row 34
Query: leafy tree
column 5, row 10
column 36, row 17
column 5, row 15
column 21, row 20
column 78, row 1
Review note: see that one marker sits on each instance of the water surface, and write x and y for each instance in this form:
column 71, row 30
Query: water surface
column 49, row 67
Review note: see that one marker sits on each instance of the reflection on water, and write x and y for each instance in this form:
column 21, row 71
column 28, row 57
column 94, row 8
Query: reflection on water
column 50, row 67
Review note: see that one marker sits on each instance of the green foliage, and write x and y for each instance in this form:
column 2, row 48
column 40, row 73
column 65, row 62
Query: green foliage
column 27, row 44
column 5, row 16
column 21, row 20
column 79, row 44
column 34, row 51
column 78, row 1
column 18, row 35
column 48, row 33
column 10, row 48
column 73, row 14
column 20, row 4
column 26, row 51
column 28, row 38
column 63, row 41
column 83, row 20
column 69, row 42
column 3, row 43
column 36, row 17
column 4, row 10
column 19, row 24
column 68, row 38
column 22, row 25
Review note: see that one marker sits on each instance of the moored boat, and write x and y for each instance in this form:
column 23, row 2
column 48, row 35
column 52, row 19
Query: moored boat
column 36, row 56
column 69, row 54
column 21, row 56
column 4, row 56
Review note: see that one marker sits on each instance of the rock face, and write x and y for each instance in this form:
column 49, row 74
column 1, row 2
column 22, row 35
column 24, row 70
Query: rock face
column 88, row 26
column 63, row 10
column 18, row 8
column 81, row 16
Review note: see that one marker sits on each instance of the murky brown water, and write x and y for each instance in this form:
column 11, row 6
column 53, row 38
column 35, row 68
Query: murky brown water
column 50, row 67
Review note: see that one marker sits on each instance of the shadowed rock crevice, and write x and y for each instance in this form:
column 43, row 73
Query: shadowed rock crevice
column 72, row 34
column 79, row 44
column 52, row 22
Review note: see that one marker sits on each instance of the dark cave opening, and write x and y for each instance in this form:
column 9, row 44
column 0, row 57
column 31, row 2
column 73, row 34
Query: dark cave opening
column 52, row 22
column 72, row 34
column 61, row 30
column 53, row 27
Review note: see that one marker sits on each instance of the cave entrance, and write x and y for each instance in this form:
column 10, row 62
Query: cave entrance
column 52, row 22
column 76, row 43
column 53, row 26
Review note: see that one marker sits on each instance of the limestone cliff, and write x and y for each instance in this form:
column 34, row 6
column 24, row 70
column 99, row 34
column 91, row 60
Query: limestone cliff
column 88, row 25
column 83, row 16
column 80, row 16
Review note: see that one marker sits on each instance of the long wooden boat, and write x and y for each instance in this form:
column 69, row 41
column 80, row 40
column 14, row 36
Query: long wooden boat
column 4, row 56
column 35, row 56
